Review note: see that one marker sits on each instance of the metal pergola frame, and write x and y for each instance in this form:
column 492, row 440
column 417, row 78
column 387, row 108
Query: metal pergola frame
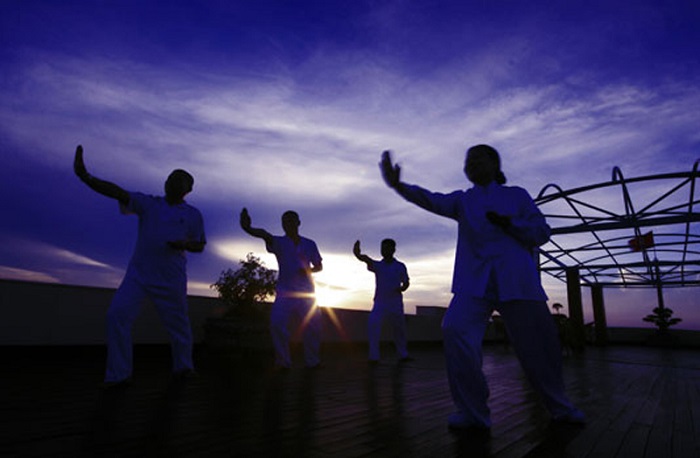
column 592, row 226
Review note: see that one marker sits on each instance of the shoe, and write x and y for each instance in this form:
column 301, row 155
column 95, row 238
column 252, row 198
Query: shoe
column 315, row 366
column 116, row 384
column 459, row 422
column 185, row 374
column 406, row 359
column 373, row 362
column 572, row 417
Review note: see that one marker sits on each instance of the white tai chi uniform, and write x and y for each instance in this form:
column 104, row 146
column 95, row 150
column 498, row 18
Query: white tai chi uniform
column 294, row 296
column 158, row 272
column 495, row 269
column 388, row 304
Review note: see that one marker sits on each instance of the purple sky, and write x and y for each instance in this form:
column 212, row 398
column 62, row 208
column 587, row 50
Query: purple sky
column 288, row 105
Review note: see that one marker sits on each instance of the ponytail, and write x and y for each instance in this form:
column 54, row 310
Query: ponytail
column 500, row 177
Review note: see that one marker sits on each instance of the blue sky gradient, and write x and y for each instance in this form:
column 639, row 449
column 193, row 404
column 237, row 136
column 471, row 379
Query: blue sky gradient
column 288, row 105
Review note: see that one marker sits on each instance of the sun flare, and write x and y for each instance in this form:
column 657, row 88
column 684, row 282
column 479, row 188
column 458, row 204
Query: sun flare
column 343, row 283
column 327, row 296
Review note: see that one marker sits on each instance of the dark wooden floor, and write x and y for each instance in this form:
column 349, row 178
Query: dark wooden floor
column 641, row 402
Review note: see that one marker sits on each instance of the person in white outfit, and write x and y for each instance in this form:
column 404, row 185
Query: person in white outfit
column 168, row 227
column 297, row 258
column 499, row 230
column 391, row 280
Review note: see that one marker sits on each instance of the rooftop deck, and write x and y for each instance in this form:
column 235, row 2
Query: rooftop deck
column 641, row 402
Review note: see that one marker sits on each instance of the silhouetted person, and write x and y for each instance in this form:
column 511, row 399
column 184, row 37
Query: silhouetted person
column 500, row 227
column 567, row 336
column 168, row 227
column 391, row 280
column 297, row 259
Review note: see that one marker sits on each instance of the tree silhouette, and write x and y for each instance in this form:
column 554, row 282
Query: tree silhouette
column 662, row 318
column 243, row 288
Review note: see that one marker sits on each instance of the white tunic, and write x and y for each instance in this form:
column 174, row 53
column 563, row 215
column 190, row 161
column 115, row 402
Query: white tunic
column 484, row 251
column 154, row 262
column 389, row 278
column 294, row 262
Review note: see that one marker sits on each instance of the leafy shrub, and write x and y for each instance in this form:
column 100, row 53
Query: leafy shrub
column 242, row 289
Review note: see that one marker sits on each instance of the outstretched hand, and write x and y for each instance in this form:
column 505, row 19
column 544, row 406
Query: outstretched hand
column 390, row 172
column 180, row 245
column 356, row 248
column 501, row 221
column 79, row 164
column 244, row 219
column 106, row 188
column 187, row 245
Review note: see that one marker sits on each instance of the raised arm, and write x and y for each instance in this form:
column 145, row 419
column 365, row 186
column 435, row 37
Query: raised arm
column 356, row 250
column 103, row 187
column 246, row 225
column 435, row 202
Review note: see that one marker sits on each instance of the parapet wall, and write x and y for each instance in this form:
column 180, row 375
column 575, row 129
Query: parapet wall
column 53, row 314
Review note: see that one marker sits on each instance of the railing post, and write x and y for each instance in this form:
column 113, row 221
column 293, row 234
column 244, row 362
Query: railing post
column 573, row 289
column 601, row 325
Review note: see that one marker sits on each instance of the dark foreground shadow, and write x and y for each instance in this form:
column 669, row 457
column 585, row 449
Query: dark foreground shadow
column 109, row 410
column 473, row 444
column 289, row 417
column 555, row 442
column 154, row 434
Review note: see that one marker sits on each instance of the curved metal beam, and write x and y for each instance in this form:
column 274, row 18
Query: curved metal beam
column 593, row 219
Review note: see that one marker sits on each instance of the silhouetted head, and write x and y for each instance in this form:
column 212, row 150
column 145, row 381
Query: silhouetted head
column 290, row 222
column 388, row 248
column 483, row 165
column 178, row 184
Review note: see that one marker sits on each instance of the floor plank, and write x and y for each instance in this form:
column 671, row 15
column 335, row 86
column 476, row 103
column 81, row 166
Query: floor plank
column 640, row 401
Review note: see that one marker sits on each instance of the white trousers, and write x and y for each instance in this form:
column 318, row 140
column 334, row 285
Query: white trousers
column 171, row 304
column 394, row 314
column 533, row 336
column 309, row 316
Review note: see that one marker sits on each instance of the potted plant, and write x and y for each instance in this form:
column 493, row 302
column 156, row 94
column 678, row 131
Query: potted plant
column 662, row 318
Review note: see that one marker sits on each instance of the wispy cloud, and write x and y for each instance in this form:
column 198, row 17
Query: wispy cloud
column 13, row 273
column 55, row 263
